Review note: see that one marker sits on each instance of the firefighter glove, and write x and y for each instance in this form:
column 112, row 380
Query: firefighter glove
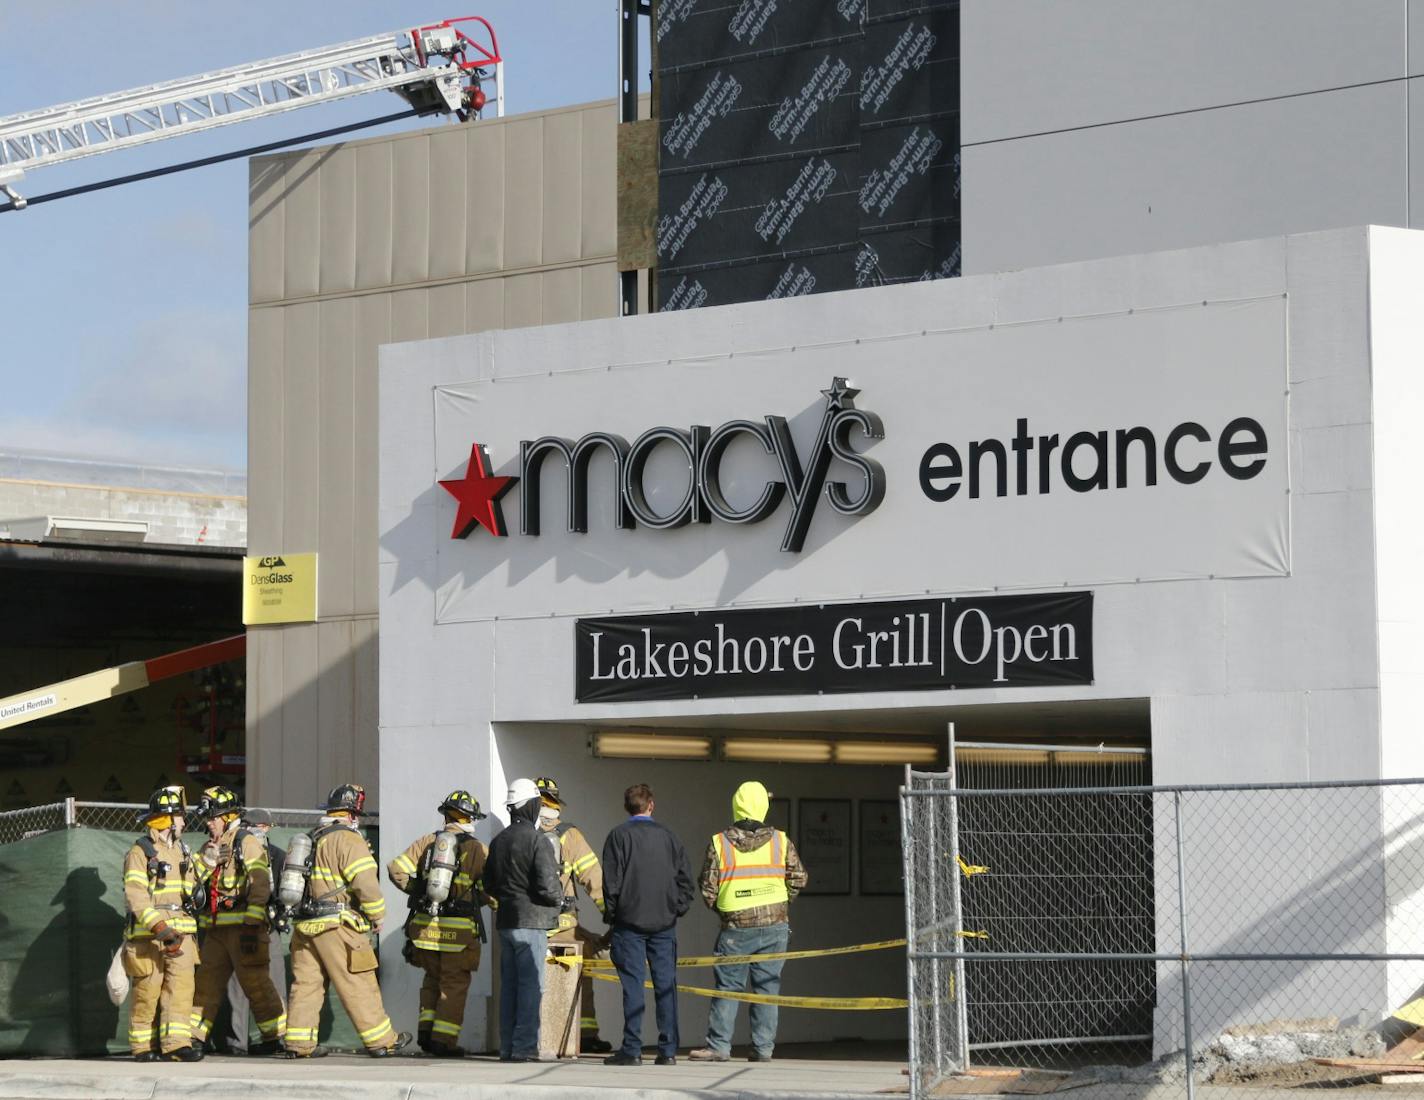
column 170, row 940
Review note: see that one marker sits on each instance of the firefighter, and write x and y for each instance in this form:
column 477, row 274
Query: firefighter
column 235, row 870
column 578, row 866
column 442, row 872
column 341, row 903
column 161, row 949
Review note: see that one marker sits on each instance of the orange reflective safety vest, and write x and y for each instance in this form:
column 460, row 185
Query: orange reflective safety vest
column 746, row 880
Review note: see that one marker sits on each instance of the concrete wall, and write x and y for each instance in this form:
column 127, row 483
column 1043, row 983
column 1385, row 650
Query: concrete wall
column 1262, row 678
column 1136, row 125
column 495, row 224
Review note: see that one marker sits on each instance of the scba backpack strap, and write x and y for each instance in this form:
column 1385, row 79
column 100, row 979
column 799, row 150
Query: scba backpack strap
column 310, row 903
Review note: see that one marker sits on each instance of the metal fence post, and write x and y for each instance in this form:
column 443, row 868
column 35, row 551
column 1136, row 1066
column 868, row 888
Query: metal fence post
column 69, row 818
column 907, row 861
column 1186, row 968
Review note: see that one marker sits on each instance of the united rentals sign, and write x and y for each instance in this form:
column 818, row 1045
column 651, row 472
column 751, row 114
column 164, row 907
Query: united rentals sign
column 916, row 645
column 479, row 492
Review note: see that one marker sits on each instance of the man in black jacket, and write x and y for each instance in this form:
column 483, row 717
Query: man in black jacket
column 522, row 878
column 647, row 886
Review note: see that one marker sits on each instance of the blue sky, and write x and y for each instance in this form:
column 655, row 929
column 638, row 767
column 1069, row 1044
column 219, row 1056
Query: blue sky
column 123, row 312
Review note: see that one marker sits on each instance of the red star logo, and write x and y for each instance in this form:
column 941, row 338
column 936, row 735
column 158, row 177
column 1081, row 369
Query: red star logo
column 478, row 493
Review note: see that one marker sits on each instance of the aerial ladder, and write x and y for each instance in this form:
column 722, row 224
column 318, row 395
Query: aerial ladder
column 441, row 68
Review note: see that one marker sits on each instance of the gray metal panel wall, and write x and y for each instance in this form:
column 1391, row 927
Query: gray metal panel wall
column 440, row 232
column 1128, row 126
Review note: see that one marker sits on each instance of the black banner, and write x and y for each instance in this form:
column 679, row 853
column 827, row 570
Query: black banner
column 905, row 645
column 794, row 132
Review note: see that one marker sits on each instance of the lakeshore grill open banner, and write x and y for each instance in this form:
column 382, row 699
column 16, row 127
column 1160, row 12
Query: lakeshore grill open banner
column 808, row 649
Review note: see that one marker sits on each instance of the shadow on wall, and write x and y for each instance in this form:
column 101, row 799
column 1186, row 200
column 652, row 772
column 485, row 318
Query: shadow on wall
column 1341, row 909
column 59, row 986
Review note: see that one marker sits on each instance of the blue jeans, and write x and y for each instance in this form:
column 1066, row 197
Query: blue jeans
column 521, row 979
column 765, row 978
column 633, row 953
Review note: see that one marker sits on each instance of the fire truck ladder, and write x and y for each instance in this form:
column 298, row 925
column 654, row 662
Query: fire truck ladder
column 437, row 69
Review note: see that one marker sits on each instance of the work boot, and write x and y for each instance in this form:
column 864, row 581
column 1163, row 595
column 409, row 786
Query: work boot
column 315, row 1052
column 422, row 1040
column 707, row 1054
column 265, row 1047
column 440, row 1050
column 184, row 1054
column 146, row 1056
column 759, row 1056
column 620, row 1059
column 402, row 1041
column 592, row 1044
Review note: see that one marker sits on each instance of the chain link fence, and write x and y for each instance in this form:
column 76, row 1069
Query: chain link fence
column 122, row 817
column 1266, row 936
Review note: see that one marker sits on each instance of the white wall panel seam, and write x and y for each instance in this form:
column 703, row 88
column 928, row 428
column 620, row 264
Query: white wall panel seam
column 1186, row 111
column 504, row 273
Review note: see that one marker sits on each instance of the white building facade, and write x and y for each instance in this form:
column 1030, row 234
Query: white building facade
column 1168, row 496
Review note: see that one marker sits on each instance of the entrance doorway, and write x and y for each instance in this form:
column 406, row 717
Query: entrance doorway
column 849, row 901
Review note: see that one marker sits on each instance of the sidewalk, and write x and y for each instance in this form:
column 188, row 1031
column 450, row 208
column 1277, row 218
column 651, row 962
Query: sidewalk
column 355, row 1077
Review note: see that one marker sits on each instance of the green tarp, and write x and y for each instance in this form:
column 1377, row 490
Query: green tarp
column 61, row 919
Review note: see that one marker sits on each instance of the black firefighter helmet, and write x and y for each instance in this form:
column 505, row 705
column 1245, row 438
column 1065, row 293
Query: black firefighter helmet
column 217, row 802
column 548, row 789
column 462, row 802
column 348, row 798
column 164, row 801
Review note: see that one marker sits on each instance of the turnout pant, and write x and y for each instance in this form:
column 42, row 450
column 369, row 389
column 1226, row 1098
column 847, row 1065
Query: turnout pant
column 342, row 957
column 444, row 991
column 633, row 952
column 588, row 1015
column 161, row 1008
column 244, row 950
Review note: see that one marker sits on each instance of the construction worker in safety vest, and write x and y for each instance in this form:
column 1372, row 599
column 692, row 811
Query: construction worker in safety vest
column 161, row 948
column 341, row 906
column 578, row 867
column 234, row 868
column 749, row 876
column 442, row 872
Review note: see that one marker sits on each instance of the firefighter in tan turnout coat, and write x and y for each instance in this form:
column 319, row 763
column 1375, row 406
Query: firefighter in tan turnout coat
column 330, row 941
column 234, row 868
column 578, row 868
column 442, row 872
column 160, row 948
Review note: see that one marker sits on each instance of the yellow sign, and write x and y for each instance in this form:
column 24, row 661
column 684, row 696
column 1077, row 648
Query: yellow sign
column 280, row 588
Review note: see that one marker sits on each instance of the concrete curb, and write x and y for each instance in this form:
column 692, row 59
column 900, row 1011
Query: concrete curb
column 30, row 1085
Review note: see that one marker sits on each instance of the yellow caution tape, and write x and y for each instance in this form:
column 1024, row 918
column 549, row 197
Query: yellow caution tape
column 766, row 956
column 971, row 869
column 839, row 1004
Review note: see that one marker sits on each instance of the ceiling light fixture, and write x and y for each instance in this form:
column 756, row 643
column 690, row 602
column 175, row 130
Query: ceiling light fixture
column 768, row 750
column 887, row 752
column 650, row 746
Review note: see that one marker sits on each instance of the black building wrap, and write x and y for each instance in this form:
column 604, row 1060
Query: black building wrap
column 811, row 649
column 806, row 146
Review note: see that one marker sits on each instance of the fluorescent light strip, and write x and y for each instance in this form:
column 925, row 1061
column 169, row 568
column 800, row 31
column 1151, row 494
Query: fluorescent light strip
column 651, row 746
column 769, row 750
column 887, row 752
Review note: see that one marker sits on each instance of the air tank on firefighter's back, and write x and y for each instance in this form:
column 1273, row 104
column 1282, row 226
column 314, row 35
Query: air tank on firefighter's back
column 444, row 858
column 292, row 885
